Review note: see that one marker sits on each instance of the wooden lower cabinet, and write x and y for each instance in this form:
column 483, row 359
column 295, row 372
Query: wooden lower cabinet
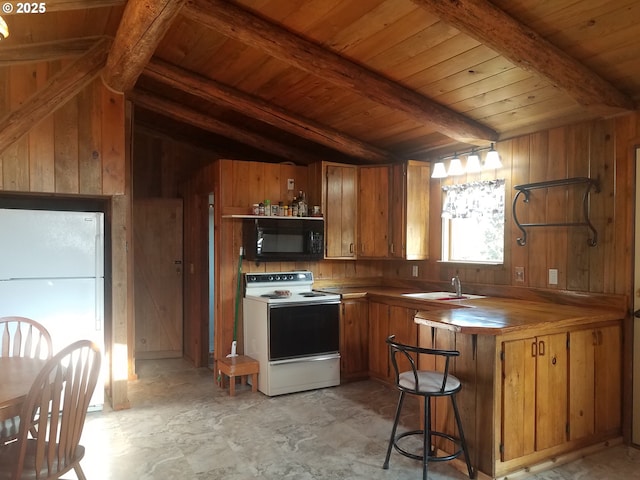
column 526, row 399
column 595, row 381
column 354, row 340
column 384, row 320
column 534, row 394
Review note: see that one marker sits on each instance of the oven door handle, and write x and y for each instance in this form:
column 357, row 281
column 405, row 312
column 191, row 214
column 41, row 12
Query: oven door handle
column 315, row 358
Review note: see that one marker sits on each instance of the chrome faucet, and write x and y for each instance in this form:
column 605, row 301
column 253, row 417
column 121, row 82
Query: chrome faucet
column 455, row 281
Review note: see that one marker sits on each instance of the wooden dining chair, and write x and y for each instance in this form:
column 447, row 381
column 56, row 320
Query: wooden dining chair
column 57, row 407
column 21, row 337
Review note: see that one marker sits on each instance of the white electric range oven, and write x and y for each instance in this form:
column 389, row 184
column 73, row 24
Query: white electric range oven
column 292, row 330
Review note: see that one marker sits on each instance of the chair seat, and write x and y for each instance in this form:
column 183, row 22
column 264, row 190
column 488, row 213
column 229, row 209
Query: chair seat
column 8, row 455
column 429, row 383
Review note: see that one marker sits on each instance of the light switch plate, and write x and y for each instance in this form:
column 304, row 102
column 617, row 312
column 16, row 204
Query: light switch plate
column 414, row 270
column 291, row 184
column 519, row 274
column 553, row 276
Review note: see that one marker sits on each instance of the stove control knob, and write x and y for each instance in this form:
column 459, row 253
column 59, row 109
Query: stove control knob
column 252, row 278
column 271, row 278
column 290, row 277
column 277, row 277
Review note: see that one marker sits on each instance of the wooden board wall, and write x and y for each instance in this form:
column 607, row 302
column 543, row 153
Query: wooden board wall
column 600, row 149
column 78, row 151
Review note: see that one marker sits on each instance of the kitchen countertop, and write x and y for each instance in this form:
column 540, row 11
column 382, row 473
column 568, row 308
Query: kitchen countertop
column 488, row 315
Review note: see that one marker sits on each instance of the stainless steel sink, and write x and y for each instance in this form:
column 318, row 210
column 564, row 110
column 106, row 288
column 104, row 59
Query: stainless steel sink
column 441, row 296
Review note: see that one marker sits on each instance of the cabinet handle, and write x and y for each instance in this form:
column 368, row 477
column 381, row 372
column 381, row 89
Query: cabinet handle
column 392, row 248
column 554, row 360
column 541, row 349
column 594, row 335
column 534, row 349
column 599, row 337
column 351, row 247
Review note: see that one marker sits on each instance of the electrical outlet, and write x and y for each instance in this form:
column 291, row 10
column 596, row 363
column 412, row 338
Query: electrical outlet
column 519, row 274
column 414, row 270
column 553, row 276
column 291, row 184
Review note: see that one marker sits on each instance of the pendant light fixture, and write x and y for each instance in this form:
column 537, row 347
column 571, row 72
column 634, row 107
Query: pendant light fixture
column 492, row 162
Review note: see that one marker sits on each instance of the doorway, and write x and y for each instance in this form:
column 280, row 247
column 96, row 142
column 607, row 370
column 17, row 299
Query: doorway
column 158, row 271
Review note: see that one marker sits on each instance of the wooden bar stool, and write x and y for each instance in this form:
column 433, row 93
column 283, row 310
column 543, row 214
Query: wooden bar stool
column 238, row 366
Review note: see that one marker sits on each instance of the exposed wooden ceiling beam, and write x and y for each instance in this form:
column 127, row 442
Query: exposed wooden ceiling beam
column 239, row 24
column 58, row 90
column 205, row 122
column 45, row 51
column 62, row 5
column 499, row 31
column 259, row 109
column 143, row 25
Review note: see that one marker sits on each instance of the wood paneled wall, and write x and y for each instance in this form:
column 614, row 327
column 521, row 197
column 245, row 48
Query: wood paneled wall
column 600, row 149
column 78, row 151
column 161, row 163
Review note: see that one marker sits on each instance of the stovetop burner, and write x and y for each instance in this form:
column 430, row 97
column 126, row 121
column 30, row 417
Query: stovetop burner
column 285, row 287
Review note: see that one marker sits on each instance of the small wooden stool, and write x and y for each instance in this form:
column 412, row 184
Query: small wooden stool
column 238, row 366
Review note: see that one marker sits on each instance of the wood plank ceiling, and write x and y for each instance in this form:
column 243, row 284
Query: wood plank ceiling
column 342, row 80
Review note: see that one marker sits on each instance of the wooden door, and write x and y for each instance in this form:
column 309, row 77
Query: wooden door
column 340, row 211
column 409, row 222
column 157, row 229
column 518, row 398
column 582, row 383
column 354, row 339
column 608, row 379
column 373, row 211
column 416, row 227
column 551, row 391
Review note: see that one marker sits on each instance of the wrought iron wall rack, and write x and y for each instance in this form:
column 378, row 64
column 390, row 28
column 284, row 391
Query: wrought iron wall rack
column 589, row 183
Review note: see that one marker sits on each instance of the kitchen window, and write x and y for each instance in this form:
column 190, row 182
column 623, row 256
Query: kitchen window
column 473, row 222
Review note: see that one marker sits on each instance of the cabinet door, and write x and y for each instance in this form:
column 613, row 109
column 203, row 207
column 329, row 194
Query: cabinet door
column 551, row 391
column 354, row 340
column 373, row 211
column 595, row 381
column 608, row 379
column 409, row 220
column 518, row 398
column 534, row 394
column 378, row 348
column 340, row 210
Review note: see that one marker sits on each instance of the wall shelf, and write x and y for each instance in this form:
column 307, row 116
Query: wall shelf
column 589, row 184
column 277, row 217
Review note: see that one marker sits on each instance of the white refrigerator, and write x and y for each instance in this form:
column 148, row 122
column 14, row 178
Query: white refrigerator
column 52, row 270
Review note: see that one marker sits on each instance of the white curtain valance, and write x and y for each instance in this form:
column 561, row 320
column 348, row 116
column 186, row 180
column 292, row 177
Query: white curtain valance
column 474, row 200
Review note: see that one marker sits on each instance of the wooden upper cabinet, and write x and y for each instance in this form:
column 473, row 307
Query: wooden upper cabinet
column 340, row 210
column 373, row 211
column 410, row 211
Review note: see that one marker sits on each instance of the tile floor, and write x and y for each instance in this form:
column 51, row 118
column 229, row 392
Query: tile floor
column 182, row 426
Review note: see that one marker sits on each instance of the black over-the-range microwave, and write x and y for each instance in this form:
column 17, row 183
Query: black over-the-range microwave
column 273, row 239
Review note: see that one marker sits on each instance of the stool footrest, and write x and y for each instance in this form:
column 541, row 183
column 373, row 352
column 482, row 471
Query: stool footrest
column 432, row 458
